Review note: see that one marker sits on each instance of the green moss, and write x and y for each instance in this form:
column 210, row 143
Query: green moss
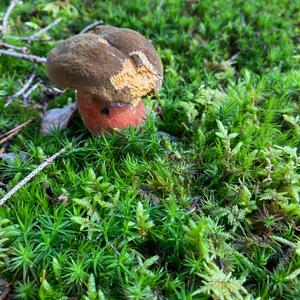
column 202, row 201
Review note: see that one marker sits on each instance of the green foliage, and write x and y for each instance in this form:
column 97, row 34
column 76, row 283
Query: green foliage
column 203, row 201
column 220, row 285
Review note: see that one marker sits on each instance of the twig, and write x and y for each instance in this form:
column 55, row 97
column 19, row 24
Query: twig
column 194, row 205
column 3, row 149
column 52, row 91
column 11, row 6
column 91, row 26
column 21, row 91
column 29, row 91
column 234, row 56
column 42, row 166
column 10, row 134
column 43, row 30
column 244, row 24
column 6, row 292
column 30, row 57
column 161, row 2
column 27, row 39
column 9, row 46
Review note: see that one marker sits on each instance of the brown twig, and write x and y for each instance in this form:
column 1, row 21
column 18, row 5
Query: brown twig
column 10, row 134
column 42, row 166
column 2, row 150
column 21, row 91
column 30, row 57
column 11, row 6
column 91, row 26
column 9, row 46
column 43, row 30
column 6, row 292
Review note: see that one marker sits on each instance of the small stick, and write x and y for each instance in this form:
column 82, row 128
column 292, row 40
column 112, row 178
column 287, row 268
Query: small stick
column 42, row 166
column 234, row 57
column 10, row 134
column 27, row 39
column 29, row 91
column 30, row 57
column 21, row 91
column 161, row 2
column 3, row 149
column 11, row 6
column 9, row 46
column 91, row 26
column 52, row 91
column 43, row 30
column 4, row 295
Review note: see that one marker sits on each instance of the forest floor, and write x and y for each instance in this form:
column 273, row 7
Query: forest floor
column 202, row 202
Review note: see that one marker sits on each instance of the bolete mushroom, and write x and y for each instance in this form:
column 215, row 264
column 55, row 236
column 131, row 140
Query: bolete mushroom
column 112, row 69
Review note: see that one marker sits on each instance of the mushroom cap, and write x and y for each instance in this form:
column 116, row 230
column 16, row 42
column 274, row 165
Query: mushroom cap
column 115, row 64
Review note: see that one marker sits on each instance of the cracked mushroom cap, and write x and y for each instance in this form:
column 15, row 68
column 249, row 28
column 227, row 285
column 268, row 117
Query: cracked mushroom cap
column 115, row 64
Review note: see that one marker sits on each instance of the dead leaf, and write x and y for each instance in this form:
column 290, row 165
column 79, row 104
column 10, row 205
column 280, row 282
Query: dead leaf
column 57, row 118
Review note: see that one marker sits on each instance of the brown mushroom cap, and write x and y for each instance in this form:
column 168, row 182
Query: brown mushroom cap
column 115, row 64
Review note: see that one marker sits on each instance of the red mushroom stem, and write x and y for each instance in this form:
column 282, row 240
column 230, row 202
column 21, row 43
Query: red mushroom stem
column 102, row 116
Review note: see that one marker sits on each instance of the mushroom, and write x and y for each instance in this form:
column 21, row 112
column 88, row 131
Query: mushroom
column 112, row 69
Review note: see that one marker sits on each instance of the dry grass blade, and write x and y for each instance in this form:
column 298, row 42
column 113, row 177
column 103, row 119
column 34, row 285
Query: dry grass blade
column 42, row 166
column 10, row 134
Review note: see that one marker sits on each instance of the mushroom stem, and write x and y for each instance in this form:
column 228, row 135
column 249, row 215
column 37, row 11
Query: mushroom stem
column 102, row 116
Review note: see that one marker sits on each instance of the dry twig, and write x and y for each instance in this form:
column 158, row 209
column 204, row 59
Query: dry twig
column 43, row 30
column 10, row 134
column 11, row 6
column 6, row 292
column 9, row 46
column 42, row 166
column 52, row 91
column 28, row 39
column 29, row 91
column 3, row 149
column 234, row 57
column 30, row 57
column 91, row 26
column 21, row 91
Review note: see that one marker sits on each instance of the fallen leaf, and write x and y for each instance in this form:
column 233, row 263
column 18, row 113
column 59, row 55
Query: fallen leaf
column 57, row 118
